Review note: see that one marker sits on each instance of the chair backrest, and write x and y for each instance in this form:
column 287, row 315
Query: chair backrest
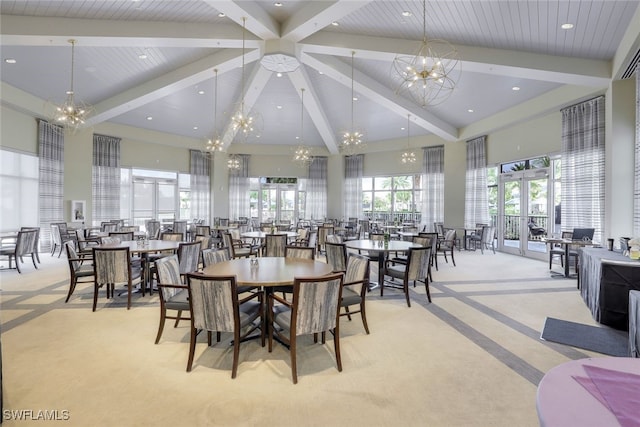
column 634, row 323
column 175, row 237
column 313, row 239
column 323, row 232
column 213, row 256
column 299, row 252
column 124, row 236
column 449, row 239
column 365, row 225
column 205, row 241
column 426, row 241
column 488, row 234
column 153, row 229
column 203, row 230
column 111, row 265
column 333, row 238
column 583, row 233
column 168, row 272
column 214, row 302
column 303, row 235
column 107, row 227
column 224, row 222
column 72, row 256
column 275, row 244
column 336, row 256
column 357, row 271
column 376, row 236
column 235, row 233
column 108, row 240
column 26, row 242
column 37, row 230
column 418, row 263
column 439, row 228
column 189, row 257
column 227, row 243
column 180, row 227
column 316, row 302
column 62, row 226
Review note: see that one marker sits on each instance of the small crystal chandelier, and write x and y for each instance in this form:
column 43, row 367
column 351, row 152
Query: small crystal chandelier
column 408, row 156
column 243, row 123
column 71, row 114
column 428, row 76
column 351, row 140
column 214, row 143
column 233, row 163
column 302, row 154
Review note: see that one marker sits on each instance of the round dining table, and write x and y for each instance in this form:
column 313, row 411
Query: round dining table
column 268, row 271
column 262, row 234
column 382, row 249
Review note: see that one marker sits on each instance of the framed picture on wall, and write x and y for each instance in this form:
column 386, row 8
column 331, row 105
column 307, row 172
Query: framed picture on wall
column 78, row 210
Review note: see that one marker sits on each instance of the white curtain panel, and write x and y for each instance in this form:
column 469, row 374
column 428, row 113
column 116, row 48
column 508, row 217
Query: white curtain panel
column 636, row 189
column 239, row 189
column 353, row 166
column 51, row 178
column 476, row 204
column 317, row 188
column 432, row 186
column 583, row 133
column 106, row 178
column 200, row 168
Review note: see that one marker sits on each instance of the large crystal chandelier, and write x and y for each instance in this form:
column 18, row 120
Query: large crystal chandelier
column 408, row 156
column 243, row 123
column 72, row 113
column 429, row 76
column 214, row 143
column 352, row 139
column 302, row 154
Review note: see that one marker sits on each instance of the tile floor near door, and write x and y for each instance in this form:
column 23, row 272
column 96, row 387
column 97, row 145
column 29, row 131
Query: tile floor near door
column 471, row 358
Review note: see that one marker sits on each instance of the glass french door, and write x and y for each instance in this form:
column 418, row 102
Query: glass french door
column 524, row 213
column 154, row 199
column 279, row 202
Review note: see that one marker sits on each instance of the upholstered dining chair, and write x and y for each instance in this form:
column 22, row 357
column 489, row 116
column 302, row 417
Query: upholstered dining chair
column 434, row 246
column 216, row 307
column 354, row 287
column 292, row 251
column 334, row 238
column 425, row 241
column 315, row 308
column 447, row 245
column 25, row 246
column 124, row 236
column 180, row 226
column 336, row 256
column 557, row 249
column 214, row 256
column 58, row 238
column 274, row 245
column 153, row 229
column 112, row 267
column 416, row 269
column 188, row 258
column 237, row 249
column 79, row 272
column 173, row 293
column 36, row 243
column 323, row 232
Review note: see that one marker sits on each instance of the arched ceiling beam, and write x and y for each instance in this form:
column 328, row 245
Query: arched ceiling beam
column 380, row 94
column 300, row 79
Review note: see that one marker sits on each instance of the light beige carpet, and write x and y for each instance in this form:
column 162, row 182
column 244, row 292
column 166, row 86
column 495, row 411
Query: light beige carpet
column 471, row 358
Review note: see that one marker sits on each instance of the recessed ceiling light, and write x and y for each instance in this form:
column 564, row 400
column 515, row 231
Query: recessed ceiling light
column 221, row 15
column 470, row 110
column 402, row 128
column 277, row 4
column 200, row 92
column 195, row 128
column 142, row 56
column 10, row 61
column 406, row 13
column 279, row 107
column 355, row 98
column 320, row 72
column 566, row 26
column 297, row 137
column 516, row 88
column 279, row 74
column 335, row 23
column 149, row 118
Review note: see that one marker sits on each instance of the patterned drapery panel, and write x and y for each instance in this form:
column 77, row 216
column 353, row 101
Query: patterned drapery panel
column 636, row 189
column 200, row 185
column 476, row 203
column 106, row 178
column 353, row 166
column 317, row 188
column 583, row 133
column 432, row 186
column 239, row 189
column 51, row 178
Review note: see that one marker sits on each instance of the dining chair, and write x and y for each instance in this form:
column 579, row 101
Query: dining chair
column 336, row 256
column 634, row 323
column 434, row 246
column 333, row 238
column 124, row 236
column 79, row 272
column 107, row 226
column 153, row 229
column 274, row 245
column 557, row 249
column 188, row 258
column 237, row 249
column 315, row 308
column 323, row 232
column 214, row 256
column 58, row 238
column 416, row 269
column 215, row 306
column 203, row 230
column 292, row 251
column 180, row 227
column 173, row 292
column 36, row 244
column 424, row 241
column 354, row 287
column 24, row 246
column 447, row 245
column 112, row 267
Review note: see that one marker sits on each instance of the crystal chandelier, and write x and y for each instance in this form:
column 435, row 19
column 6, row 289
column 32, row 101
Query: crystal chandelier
column 71, row 114
column 302, row 154
column 243, row 123
column 429, row 75
column 214, row 143
column 408, row 156
column 353, row 139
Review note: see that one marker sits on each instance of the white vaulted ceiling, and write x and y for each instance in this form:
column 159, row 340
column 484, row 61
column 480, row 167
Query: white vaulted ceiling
column 502, row 44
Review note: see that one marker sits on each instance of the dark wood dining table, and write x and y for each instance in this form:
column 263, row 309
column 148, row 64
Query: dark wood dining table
column 566, row 244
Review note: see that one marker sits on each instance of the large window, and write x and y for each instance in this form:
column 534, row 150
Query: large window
column 392, row 198
column 19, row 194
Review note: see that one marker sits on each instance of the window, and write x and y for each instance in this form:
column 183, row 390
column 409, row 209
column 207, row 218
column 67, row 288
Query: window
column 492, row 193
column 392, row 198
column 19, row 195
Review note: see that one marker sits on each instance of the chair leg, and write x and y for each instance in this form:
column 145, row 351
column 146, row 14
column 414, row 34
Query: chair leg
column 452, row 258
column 294, row 366
column 17, row 264
column 72, row 287
column 95, row 295
column 163, row 316
column 426, row 285
column 192, row 348
column 405, row 288
column 178, row 318
column 336, row 345
column 236, row 352
column 363, row 315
